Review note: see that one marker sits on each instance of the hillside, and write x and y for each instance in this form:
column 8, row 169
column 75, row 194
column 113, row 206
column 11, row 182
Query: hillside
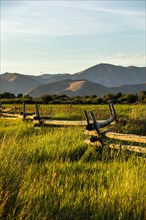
column 17, row 83
column 70, row 88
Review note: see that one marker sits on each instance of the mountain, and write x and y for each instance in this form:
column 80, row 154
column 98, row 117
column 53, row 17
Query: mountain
column 17, row 83
column 111, row 75
column 70, row 88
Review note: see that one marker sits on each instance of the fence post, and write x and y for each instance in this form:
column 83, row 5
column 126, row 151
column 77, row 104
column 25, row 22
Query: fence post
column 97, row 129
column 87, row 117
column 37, row 113
column 1, row 108
column 110, row 108
column 114, row 111
column 24, row 115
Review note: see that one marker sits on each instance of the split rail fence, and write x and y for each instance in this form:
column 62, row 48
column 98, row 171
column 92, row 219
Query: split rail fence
column 94, row 128
column 97, row 135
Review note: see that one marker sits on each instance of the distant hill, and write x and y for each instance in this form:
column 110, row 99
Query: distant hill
column 70, row 88
column 105, row 78
column 17, row 83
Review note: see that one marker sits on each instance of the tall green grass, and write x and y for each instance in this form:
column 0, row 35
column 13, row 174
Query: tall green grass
column 50, row 174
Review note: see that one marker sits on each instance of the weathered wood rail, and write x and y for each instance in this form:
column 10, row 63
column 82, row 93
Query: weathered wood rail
column 11, row 115
column 10, row 110
column 126, row 137
column 136, row 149
column 118, row 136
column 61, row 122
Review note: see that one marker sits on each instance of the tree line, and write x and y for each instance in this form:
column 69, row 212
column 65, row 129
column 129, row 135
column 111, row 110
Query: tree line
column 119, row 98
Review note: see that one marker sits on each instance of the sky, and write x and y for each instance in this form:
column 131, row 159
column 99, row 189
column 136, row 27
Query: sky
column 44, row 36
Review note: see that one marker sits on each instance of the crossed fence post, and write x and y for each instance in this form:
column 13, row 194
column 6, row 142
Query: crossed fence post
column 97, row 125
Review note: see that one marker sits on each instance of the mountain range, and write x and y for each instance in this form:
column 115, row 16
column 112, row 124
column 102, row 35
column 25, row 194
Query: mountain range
column 99, row 79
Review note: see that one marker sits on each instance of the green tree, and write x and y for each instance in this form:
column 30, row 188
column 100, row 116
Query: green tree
column 128, row 98
column 7, row 95
column 109, row 98
column 20, row 95
column 141, row 96
column 46, row 98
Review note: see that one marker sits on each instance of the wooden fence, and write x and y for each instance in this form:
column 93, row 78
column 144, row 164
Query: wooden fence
column 98, row 136
column 94, row 128
column 38, row 119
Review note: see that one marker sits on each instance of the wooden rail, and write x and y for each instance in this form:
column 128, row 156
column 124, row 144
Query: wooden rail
column 10, row 111
column 118, row 136
column 105, row 123
column 128, row 147
column 15, row 116
column 62, row 122
column 12, row 115
column 126, row 137
column 136, row 149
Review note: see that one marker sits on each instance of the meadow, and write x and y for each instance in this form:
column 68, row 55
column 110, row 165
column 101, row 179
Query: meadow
column 49, row 173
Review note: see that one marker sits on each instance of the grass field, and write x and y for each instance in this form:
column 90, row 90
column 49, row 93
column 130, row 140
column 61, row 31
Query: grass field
column 48, row 173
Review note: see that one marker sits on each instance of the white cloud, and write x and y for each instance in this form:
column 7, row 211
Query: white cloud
column 138, row 56
column 121, row 55
column 128, row 59
column 132, row 57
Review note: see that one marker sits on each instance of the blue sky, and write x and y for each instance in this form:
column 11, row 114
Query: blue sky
column 69, row 36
